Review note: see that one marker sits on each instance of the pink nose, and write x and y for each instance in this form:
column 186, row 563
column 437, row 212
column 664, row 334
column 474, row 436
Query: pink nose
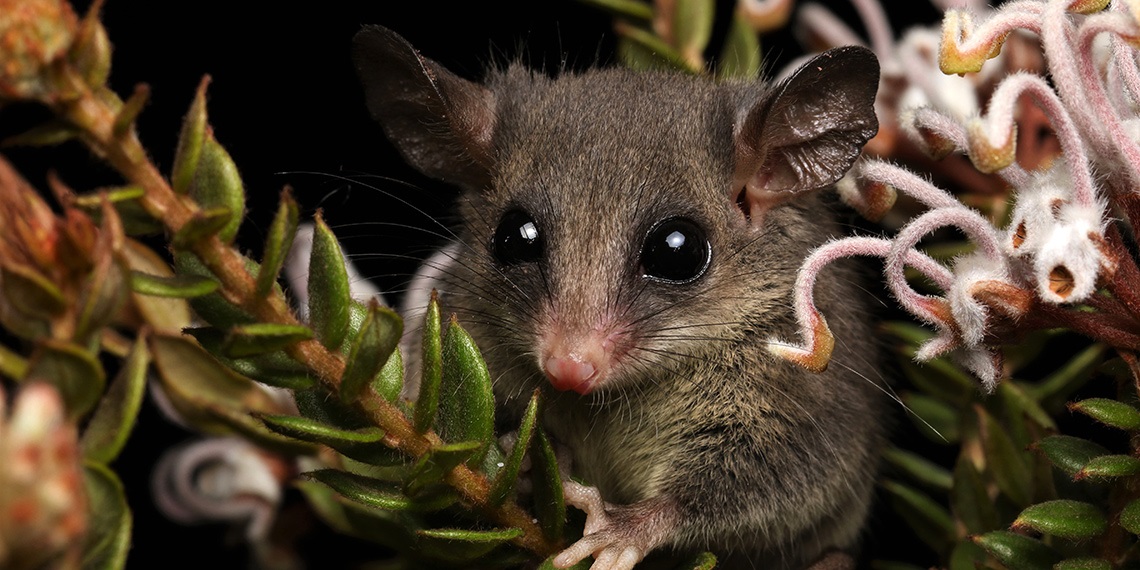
column 568, row 373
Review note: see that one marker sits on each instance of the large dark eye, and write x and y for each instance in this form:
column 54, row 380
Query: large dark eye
column 675, row 250
column 517, row 239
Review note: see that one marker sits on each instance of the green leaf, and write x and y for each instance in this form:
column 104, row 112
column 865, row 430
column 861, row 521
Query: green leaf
column 51, row 133
column 313, row 431
column 1064, row 518
column 431, row 368
column 1083, row 564
column 163, row 313
column 390, row 381
column 371, row 350
column 72, row 370
column 274, row 368
column 1056, row 388
column 929, row 520
column 624, row 8
column 641, row 49
column 702, row 561
column 1109, row 412
column 12, row 365
column 391, row 528
column 1017, row 552
column 969, row 499
column 126, row 202
column 466, row 402
column 1004, row 460
column 1022, row 403
column 462, row 545
column 329, row 292
column 261, row 338
column 437, row 463
column 278, row 242
column 204, row 224
column 109, row 520
column 178, row 286
column 967, row 556
column 939, row 378
column 740, row 54
column 937, row 421
column 692, row 27
column 217, row 185
column 1109, row 466
column 132, row 107
column 31, row 293
column 919, row 468
column 190, row 141
column 1130, row 517
column 505, row 481
column 379, row 494
column 549, row 500
column 214, row 308
column 107, row 431
column 1070, row 454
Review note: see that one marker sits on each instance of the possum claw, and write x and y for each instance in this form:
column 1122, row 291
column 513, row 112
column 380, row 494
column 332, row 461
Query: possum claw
column 618, row 536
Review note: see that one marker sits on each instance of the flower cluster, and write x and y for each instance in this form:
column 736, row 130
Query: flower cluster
column 1059, row 261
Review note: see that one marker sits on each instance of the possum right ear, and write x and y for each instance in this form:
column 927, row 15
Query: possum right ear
column 441, row 123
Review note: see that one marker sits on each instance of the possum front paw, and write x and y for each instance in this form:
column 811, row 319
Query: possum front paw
column 618, row 536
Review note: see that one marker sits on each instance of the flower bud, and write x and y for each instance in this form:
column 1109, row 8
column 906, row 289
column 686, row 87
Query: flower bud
column 33, row 35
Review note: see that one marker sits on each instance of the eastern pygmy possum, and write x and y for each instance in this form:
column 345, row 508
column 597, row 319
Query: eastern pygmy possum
column 628, row 244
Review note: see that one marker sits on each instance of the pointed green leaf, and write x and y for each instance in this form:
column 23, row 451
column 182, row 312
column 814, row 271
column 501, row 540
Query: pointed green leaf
column 261, row 338
column 969, row 499
column 319, row 405
column 549, row 500
column 390, row 381
column 162, row 313
column 12, row 365
column 1108, row 466
column 939, row 378
column 125, row 201
column 1004, row 460
column 278, row 242
column 1056, row 388
column 178, row 286
column 1109, row 412
column 1083, row 564
column 740, row 55
column 466, row 402
column 437, row 463
column 329, row 292
column 190, row 141
column 1130, row 517
column 52, row 133
column 505, row 481
column 919, row 468
column 204, row 224
column 1070, row 454
column 125, row 118
column 371, row 350
column 937, row 421
column 1064, row 518
column 217, row 185
column 390, row 528
column 692, row 27
column 72, row 370
column 111, row 425
column 1017, row 552
column 242, row 423
column 275, row 369
column 431, row 367
column 702, row 561
column 967, row 556
column 1019, row 401
column 31, row 293
column 109, row 520
column 462, row 545
column 215, row 309
column 379, row 494
column 313, row 431
column 624, row 8
column 929, row 520
column 641, row 49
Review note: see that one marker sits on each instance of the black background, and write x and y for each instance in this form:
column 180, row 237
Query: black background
column 285, row 103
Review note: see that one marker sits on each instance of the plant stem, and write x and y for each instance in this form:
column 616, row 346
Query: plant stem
column 123, row 151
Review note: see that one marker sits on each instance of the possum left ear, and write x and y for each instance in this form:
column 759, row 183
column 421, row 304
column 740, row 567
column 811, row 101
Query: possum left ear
column 807, row 130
